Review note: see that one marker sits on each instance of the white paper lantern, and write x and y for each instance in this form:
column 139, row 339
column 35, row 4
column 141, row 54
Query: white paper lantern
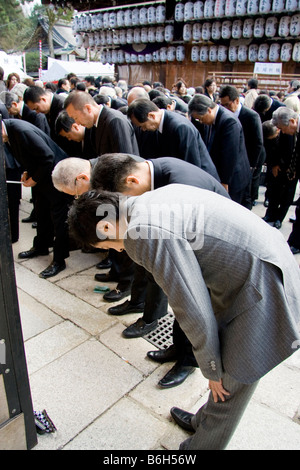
column 259, row 27
column 100, row 20
column 122, row 36
column 284, row 26
column 143, row 16
column 88, row 22
column 116, row 37
column 291, row 5
column 197, row 31
column 237, row 29
column 233, row 53
column 263, row 53
column 169, row 33
column 253, row 6
column 97, row 39
column 278, row 6
column 199, row 10
column 135, row 17
column 144, row 35
column 248, row 28
column 128, row 18
column 230, row 8
column 151, row 15
column 80, row 23
column 286, row 52
column 179, row 12
column 180, row 53
column 121, row 56
column 220, row 8
column 160, row 14
column 187, row 32
column 296, row 52
column 133, row 58
column 151, row 34
column 163, row 54
column 206, row 31
column 103, row 57
column 222, row 53
column 274, row 52
column 127, row 57
column 226, row 29
column 148, row 57
column 295, row 25
column 109, row 37
column 155, row 56
column 265, row 6
column 242, row 53
column 213, row 53
column 114, row 56
column 204, row 54
column 141, row 58
column 106, row 20
column 94, row 22
column 241, row 7
column 209, row 8
column 160, row 34
column 271, row 27
column 91, row 39
column 129, row 36
column 253, row 53
column 137, row 35
column 171, row 53
column 102, row 38
column 112, row 19
column 216, row 30
column 78, row 40
column 75, row 24
column 120, row 19
column 188, row 11
column 195, row 54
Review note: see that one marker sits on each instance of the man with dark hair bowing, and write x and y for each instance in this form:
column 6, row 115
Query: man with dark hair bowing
column 231, row 281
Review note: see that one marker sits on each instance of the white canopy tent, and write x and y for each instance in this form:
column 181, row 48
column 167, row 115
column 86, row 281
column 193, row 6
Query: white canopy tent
column 59, row 69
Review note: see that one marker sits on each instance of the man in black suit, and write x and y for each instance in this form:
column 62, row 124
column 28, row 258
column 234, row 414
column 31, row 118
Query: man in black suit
column 177, row 136
column 37, row 155
column 112, row 132
column 288, row 121
column 121, row 173
column 252, row 127
column 265, row 106
column 224, row 138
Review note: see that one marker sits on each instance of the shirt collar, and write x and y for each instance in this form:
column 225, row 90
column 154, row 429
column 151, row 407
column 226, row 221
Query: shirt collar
column 160, row 127
column 101, row 107
column 151, row 168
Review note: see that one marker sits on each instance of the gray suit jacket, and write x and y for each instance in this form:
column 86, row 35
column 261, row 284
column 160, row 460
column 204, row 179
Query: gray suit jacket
column 230, row 278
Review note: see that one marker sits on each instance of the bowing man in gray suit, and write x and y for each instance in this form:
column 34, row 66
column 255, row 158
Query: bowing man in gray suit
column 231, row 281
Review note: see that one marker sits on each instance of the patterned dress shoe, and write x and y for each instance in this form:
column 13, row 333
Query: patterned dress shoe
column 53, row 269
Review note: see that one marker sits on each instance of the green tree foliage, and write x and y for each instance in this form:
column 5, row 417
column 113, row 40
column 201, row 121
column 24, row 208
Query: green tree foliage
column 15, row 29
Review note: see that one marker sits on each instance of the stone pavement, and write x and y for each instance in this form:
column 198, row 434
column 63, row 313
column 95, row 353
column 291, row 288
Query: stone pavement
column 101, row 390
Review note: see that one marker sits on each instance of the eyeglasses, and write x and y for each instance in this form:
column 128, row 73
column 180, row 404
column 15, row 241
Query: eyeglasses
column 76, row 190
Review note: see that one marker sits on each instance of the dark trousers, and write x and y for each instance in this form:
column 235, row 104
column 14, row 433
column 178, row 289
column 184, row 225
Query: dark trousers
column 294, row 238
column 14, row 194
column 51, row 214
column 281, row 193
column 122, row 268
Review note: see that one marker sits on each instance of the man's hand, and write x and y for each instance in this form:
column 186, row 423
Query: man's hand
column 217, row 390
column 27, row 182
column 275, row 170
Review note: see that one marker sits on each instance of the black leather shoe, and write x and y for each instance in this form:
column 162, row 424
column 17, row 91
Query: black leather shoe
column 163, row 355
column 126, row 307
column 28, row 219
column 139, row 328
column 294, row 250
column 53, row 269
column 105, row 277
column 104, row 264
column 117, row 294
column 176, row 376
column 277, row 224
column 182, row 418
column 32, row 253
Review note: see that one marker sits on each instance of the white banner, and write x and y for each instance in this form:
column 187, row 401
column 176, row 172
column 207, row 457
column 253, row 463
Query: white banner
column 267, row 68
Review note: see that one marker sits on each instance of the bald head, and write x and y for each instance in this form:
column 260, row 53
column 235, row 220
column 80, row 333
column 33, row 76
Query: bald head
column 82, row 108
column 136, row 93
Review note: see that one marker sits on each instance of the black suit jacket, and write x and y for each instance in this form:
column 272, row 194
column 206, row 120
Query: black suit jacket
column 37, row 119
column 180, row 139
column 228, row 150
column 34, row 150
column 168, row 170
column 114, row 133
column 252, row 127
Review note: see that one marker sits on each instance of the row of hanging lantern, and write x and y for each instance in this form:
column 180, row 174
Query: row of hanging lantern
column 253, row 53
column 214, row 53
column 237, row 29
column 228, row 8
column 120, row 18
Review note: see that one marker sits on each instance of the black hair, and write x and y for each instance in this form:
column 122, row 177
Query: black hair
column 140, row 109
column 111, row 170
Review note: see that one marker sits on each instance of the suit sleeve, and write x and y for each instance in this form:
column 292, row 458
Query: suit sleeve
column 122, row 137
column 176, row 270
column 39, row 156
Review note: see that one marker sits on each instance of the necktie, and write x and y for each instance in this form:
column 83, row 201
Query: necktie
column 291, row 171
